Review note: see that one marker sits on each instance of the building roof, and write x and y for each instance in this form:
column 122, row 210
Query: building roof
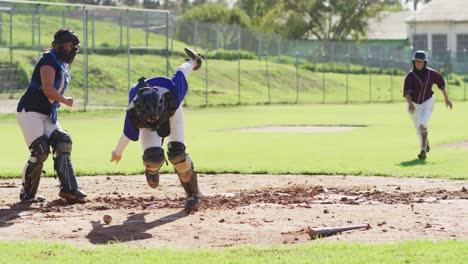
column 441, row 11
column 390, row 26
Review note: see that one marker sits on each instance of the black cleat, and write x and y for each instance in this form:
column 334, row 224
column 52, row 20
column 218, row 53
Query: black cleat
column 25, row 198
column 422, row 155
column 152, row 178
column 192, row 204
column 76, row 196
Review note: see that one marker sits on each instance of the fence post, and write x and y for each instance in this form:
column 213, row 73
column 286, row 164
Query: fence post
column 239, row 78
column 323, row 78
column 146, row 29
column 260, row 47
column 121, row 29
column 85, row 59
column 279, row 48
column 63, row 18
column 347, row 78
column 297, row 77
column 195, row 34
column 1, row 27
column 33, row 29
column 92, row 28
column 464, row 77
column 39, row 30
column 128, row 50
column 206, row 77
column 370, row 77
column 238, row 63
column 267, row 76
column 391, row 79
column 167, row 43
column 11, row 36
column 449, row 68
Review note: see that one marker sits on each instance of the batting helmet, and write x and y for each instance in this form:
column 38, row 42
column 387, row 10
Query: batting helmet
column 149, row 105
column 420, row 55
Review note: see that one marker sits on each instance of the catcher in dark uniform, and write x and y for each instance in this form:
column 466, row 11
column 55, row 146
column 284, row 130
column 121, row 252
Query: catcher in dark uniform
column 37, row 117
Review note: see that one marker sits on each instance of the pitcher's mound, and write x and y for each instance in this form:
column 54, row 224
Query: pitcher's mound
column 298, row 129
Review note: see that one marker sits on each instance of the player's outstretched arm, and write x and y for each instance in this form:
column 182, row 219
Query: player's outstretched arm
column 116, row 153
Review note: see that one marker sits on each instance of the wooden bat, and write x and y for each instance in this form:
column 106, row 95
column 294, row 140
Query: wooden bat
column 315, row 232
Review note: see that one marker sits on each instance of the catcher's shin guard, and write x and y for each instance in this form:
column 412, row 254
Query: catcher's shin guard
column 186, row 173
column 62, row 146
column 194, row 195
column 153, row 158
column 33, row 170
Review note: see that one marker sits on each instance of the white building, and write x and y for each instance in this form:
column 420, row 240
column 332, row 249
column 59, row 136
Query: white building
column 441, row 28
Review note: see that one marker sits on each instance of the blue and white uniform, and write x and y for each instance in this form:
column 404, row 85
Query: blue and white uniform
column 178, row 88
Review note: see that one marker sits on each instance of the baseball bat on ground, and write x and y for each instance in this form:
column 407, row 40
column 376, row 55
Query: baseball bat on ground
column 315, row 232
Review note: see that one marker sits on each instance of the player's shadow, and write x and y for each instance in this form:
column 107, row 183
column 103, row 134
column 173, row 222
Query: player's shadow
column 7, row 216
column 413, row 162
column 133, row 228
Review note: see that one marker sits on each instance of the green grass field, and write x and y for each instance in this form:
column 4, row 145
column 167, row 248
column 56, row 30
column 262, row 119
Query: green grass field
column 387, row 145
column 318, row 252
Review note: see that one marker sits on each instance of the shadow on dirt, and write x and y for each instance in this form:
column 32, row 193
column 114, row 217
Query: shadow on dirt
column 133, row 228
column 7, row 216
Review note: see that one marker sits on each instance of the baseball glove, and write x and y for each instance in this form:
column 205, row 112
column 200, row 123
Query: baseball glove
column 195, row 56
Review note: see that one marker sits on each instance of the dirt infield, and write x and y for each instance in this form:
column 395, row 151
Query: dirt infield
column 239, row 210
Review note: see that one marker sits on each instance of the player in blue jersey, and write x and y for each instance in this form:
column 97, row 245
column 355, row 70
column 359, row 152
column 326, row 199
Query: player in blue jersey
column 155, row 112
column 37, row 117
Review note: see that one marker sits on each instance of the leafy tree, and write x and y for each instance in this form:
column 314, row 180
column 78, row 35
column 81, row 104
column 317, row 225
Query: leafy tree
column 340, row 19
column 288, row 19
column 256, row 9
column 217, row 13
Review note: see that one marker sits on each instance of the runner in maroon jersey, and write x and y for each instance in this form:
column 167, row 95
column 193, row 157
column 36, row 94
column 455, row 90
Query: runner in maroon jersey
column 420, row 97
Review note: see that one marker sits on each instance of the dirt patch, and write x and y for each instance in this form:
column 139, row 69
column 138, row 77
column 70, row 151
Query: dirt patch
column 239, row 210
column 297, row 129
column 456, row 145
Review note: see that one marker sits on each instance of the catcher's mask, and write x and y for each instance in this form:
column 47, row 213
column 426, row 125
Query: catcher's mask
column 149, row 104
column 61, row 37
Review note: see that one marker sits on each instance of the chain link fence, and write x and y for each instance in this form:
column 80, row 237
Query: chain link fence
column 242, row 66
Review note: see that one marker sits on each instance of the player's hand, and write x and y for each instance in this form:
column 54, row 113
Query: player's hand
column 114, row 157
column 448, row 104
column 411, row 108
column 69, row 101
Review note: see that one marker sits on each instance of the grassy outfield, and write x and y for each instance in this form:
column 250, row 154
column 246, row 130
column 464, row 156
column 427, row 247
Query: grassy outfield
column 318, row 252
column 388, row 145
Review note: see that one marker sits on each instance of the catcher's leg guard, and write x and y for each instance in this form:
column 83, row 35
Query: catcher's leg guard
column 32, row 173
column 153, row 159
column 186, row 172
column 61, row 144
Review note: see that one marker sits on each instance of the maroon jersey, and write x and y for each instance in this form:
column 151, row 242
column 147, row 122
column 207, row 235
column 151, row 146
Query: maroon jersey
column 418, row 84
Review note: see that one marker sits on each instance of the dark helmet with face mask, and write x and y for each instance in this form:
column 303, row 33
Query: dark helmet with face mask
column 61, row 37
column 149, row 105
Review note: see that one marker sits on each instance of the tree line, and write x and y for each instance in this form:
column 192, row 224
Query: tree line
column 324, row 20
